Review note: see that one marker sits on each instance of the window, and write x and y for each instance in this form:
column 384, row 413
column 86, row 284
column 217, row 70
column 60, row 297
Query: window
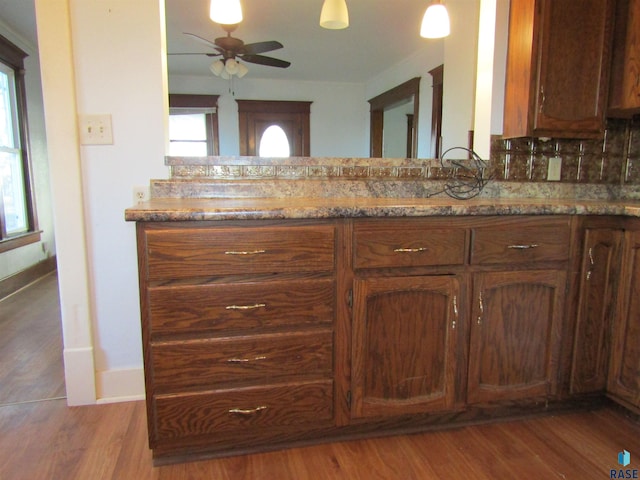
column 193, row 125
column 18, row 225
column 262, row 121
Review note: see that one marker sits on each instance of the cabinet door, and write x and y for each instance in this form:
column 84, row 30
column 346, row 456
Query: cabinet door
column 624, row 375
column 599, row 276
column 557, row 68
column 404, row 344
column 624, row 94
column 515, row 334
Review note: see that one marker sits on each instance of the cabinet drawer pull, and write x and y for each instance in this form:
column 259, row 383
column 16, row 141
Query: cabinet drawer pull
column 523, row 247
column 245, row 307
column 410, row 250
column 244, row 252
column 247, row 411
column 246, row 360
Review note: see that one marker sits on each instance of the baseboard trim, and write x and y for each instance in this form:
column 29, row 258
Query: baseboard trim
column 79, row 376
column 29, row 275
column 123, row 385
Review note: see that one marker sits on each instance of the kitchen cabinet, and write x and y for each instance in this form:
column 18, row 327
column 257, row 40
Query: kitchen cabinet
column 624, row 94
column 599, row 274
column 404, row 344
column 557, row 72
column 624, row 373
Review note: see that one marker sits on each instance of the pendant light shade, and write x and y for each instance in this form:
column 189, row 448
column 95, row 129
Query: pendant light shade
column 334, row 15
column 435, row 23
column 226, row 12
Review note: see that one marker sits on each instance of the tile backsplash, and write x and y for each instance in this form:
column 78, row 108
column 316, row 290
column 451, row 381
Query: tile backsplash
column 613, row 160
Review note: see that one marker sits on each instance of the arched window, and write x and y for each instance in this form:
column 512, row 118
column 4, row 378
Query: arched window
column 274, row 143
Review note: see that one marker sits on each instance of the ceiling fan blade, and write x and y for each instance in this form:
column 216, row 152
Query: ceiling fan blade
column 201, row 40
column 261, row 47
column 268, row 61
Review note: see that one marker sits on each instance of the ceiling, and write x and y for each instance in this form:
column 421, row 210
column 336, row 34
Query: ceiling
column 380, row 34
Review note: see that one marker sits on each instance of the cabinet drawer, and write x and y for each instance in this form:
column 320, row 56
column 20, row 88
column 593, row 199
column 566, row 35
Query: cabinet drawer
column 205, row 252
column 216, row 362
column 240, row 307
column 516, row 242
column 407, row 244
column 245, row 411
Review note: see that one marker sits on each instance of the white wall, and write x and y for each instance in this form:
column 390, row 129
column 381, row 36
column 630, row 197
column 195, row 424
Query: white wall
column 21, row 258
column 105, row 57
column 339, row 112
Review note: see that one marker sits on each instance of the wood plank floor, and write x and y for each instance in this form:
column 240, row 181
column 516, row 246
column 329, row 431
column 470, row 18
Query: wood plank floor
column 31, row 365
column 48, row 440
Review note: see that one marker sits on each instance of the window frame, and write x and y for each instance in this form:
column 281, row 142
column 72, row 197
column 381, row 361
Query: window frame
column 207, row 104
column 13, row 57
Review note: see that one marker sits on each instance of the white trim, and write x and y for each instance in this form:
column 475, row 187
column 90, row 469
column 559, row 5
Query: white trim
column 122, row 385
column 79, row 375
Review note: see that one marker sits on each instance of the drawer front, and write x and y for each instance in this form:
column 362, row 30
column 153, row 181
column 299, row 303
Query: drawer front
column 216, row 363
column 407, row 244
column 240, row 307
column 205, row 252
column 522, row 242
column 244, row 411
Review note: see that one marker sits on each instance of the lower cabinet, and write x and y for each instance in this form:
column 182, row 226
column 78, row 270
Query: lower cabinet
column 404, row 344
column 599, row 275
column 515, row 335
column 624, row 372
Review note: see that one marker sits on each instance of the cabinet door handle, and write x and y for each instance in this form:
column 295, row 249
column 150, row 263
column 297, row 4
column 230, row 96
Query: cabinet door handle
column 481, row 304
column 246, row 360
column 244, row 252
column 592, row 262
column 245, row 307
column 523, row 247
column 455, row 312
column 542, row 99
column 410, row 250
column 247, row 411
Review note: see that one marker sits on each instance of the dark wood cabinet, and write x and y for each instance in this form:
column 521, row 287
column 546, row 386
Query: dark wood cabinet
column 599, row 274
column 515, row 335
column 624, row 372
column 404, row 344
column 624, row 93
column 558, row 64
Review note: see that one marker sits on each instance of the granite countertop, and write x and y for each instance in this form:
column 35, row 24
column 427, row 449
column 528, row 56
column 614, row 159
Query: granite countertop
column 189, row 209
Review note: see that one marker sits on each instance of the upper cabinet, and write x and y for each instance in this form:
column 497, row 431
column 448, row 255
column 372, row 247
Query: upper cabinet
column 624, row 96
column 558, row 68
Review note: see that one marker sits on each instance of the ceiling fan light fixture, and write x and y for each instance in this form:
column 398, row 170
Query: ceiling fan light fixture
column 226, row 12
column 242, row 70
column 231, row 66
column 217, row 67
column 334, row 15
column 435, row 23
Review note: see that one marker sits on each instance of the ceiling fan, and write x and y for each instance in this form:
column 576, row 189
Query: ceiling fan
column 231, row 48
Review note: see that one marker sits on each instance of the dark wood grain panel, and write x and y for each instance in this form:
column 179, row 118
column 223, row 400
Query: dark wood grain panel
column 245, row 411
column 218, row 363
column 209, row 251
column 261, row 306
column 518, row 242
column 404, row 344
column 516, row 334
column 407, row 244
column 599, row 278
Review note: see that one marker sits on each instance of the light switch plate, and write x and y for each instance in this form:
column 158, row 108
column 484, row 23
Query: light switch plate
column 554, row 170
column 95, row 130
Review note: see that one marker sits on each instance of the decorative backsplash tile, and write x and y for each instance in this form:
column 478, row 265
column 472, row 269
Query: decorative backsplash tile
column 612, row 160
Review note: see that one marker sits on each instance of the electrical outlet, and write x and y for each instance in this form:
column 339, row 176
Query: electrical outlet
column 95, row 130
column 554, row 169
column 140, row 194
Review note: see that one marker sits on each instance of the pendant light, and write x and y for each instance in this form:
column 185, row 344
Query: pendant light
column 226, row 12
column 435, row 23
column 334, row 15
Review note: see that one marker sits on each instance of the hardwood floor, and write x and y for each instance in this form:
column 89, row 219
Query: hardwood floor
column 31, row 366
column 48, row 440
